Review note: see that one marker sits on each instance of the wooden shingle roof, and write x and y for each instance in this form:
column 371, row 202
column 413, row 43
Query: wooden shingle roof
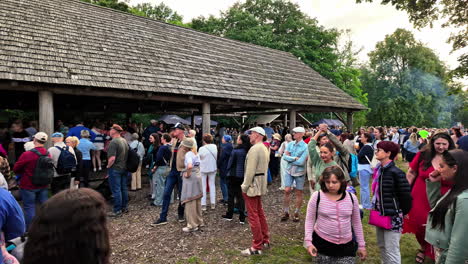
column 69, row 42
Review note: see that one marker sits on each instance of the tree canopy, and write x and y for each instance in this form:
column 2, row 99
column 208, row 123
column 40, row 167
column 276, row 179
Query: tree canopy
column 454, row 13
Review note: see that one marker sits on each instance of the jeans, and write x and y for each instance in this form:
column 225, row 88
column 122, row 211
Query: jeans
column 172, row 179
column 30, row 197
column 159, row 183
column 364, row 177
column 211, row 182
column 257, row 221
column 389, row 245
column 118, row 185
column 224, row 186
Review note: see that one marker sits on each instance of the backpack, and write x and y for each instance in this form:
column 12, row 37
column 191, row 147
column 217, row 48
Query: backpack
column 66, row 162
column 351, row 167
column 44, row 170
column 133, row 160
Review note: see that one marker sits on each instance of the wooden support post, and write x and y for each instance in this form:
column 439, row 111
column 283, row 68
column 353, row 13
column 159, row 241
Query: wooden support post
column 206, row 118
column 193, row 120
column 349, row 121
column 46, row 114
column 292, row 119
column 285, row 120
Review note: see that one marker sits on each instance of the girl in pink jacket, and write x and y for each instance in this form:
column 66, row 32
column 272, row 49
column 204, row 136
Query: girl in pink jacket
column 332, row 218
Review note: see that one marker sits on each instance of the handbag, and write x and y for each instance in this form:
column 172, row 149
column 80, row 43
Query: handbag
column 378, row 220
column 372, row 163
column 167, row 170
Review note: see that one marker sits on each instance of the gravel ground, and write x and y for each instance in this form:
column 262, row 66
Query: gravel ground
column 134, row 241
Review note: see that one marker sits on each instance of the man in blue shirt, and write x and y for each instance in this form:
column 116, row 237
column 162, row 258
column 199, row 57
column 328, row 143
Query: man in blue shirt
column 76, row 131
column 296, row 156
column 12, row 221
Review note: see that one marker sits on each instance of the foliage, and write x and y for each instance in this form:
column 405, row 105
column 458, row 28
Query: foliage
column 454, row 12
column 279, row 24
column 114, row 4
column 159, row 12
column 407, row 84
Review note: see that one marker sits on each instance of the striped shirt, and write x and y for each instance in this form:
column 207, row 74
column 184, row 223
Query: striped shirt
column 334, row 221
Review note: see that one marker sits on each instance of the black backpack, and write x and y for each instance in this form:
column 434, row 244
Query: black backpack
column 66, row 162
column 133, row 160
column 44, row 170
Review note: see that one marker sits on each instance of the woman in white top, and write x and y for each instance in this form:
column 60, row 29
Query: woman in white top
column 283, row 163
column 208, row 154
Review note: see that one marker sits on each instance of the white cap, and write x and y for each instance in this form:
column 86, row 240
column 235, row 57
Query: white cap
column 298, row 130
column 259, row 130
column 41, row 136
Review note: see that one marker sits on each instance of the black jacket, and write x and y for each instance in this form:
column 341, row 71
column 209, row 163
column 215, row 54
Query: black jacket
column 394, row 191
column 368, row 151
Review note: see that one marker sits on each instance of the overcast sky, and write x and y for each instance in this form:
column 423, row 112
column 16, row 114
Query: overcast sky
column 369, row 22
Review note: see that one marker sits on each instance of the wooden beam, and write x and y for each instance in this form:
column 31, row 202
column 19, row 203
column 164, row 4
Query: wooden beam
column 339, row 117
column 292, row 119
column 305, row 119
column 206, row 119
column 46, row 114
column 349, row 121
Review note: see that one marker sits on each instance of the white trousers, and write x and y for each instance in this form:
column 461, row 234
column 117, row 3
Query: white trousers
column 211, row 181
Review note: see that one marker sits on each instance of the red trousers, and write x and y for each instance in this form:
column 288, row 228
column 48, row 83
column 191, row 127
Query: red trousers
column 257, row 221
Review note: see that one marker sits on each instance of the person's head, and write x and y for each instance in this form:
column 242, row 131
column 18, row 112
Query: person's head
column 135, row 136
column 187, row 143
column 298, row 133
column 40, row 138
column 323, row 126
column 366, row 138
column 370, row 130
column 192, row 133
column 207, row 138
column 276, row 136
column 327, row 152
column 17, row 127
column 256, row 135
column 457, row 132
column 154, row 139
column 350, row 136
column 72, row 141
column 441, row 142
column 453, row 167
column 178, row 131
column 57, row 137
column 386, row 150
column 84, row 133
column 322, row 140
column 226, row 139
column 333, row 180
column 243, row 141
column 413, row 138
column 165, row 138
column 115, row 131
column 379, row 133
column 288, row 137
column 71, row 227
column 153, row 122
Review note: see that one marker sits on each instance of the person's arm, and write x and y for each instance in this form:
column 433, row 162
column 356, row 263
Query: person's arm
column 403, row 191
column 310, row 220
column 433, row 192
column 288, row 156
column 301, row 159
column 313, row 155
column 21, row 163
column 250, row 169
column 457, row 252
column 356, row 223
column 412, row 173
column 12, row 220
column 188, row 173
column 232, row 158
column 92, row 135
column 338, row 145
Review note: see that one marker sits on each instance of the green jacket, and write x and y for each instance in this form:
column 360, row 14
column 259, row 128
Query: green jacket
column 453, row 239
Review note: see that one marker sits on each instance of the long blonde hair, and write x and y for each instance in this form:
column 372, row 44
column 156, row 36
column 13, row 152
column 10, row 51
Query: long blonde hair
column 413, row 138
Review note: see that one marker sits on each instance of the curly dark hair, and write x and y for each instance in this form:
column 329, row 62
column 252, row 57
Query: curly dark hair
column 71, row 227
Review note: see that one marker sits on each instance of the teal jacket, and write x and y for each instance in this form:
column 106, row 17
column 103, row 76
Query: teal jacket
column 453, row 239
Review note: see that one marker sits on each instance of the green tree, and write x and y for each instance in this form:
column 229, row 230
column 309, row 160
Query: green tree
column 114, row 4
column 454, row 14
column 407, row 84
column 280, row 24
column 159, row 12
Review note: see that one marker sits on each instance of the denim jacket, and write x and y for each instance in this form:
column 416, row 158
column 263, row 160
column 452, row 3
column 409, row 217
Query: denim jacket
column 296, row 149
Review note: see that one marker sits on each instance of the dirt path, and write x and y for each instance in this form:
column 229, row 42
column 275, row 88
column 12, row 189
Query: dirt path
column 134, row 241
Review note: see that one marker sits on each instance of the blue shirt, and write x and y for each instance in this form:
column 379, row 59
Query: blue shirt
column 76, row 131
column 85, row 147
column 269, row 132
column 413, row 148
column 12, row 221
column 296, row 149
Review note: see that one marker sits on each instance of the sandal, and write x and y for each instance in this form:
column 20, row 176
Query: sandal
column 420, row 256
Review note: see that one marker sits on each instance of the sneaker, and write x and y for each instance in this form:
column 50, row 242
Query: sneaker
column 115, row 214
column 227, row 218
column 94, row 169
column 250, row 252
column 188, row 229
column 181, row 219
column 242, row 222
column 296, row 217
column 285, row 217
column 203, row 207
column 213, row 206
column 159, row 222
column 100, row 168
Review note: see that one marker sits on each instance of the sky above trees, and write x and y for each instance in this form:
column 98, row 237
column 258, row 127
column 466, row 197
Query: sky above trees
column 369, row 22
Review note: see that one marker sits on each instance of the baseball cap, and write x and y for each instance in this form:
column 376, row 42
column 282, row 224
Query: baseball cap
column 41, row 136
column 298, row 130
column 259, row 130
column 179, row 126
column 227, row 138
column 117, row 128
column 57, row 135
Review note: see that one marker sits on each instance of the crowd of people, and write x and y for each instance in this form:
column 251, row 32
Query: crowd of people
column 183, row 164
